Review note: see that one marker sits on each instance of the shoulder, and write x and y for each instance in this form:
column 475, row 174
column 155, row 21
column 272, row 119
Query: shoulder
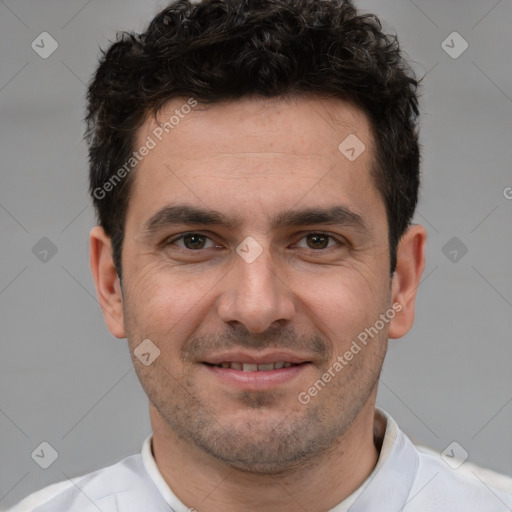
column 87, row 492
column 423, row 480
column 443, row 484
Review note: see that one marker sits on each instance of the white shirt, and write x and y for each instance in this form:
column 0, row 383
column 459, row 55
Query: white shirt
column 406, row 478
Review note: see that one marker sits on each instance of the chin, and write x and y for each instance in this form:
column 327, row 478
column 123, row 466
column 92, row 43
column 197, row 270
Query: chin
column 265, row 442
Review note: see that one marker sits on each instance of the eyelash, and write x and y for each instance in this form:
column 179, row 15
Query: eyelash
column 175, row 239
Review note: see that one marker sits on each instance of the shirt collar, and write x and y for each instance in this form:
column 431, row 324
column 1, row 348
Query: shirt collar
column 149, row 462
column 391, row 481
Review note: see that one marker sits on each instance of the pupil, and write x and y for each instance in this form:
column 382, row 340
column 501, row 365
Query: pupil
column 197, row 241
column 316, row 238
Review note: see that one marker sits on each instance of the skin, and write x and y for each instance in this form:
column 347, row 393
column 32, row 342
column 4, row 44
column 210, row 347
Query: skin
column 219, row 447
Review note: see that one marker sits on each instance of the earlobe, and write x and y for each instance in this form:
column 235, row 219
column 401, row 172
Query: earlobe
column 106, row 280
column 406, row 279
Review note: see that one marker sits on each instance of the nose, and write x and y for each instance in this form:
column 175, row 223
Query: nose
column 255, row 295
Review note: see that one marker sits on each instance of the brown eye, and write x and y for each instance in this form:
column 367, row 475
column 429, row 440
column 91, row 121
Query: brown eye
column 317, row 241
column 192, row 242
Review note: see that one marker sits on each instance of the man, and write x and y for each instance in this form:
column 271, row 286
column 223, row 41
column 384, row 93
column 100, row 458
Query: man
column 255, row 169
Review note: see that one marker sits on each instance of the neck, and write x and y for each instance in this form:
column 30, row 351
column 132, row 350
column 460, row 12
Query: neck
column 206, row 484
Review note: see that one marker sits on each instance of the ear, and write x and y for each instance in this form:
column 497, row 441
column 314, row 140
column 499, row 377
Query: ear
column 406, row 279
column 107, row 282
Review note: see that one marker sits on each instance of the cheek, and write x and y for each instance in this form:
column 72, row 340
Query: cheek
column 162, row 305
column 346, row 297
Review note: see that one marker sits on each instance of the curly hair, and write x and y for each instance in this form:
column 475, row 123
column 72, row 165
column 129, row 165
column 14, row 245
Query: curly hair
column 218, row 50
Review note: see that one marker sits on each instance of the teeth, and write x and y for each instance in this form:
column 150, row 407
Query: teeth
column 249, row 367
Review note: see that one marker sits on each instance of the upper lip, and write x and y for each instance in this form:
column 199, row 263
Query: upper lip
column 253, row 358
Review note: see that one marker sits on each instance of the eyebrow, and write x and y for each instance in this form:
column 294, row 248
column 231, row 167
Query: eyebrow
column 187, row 214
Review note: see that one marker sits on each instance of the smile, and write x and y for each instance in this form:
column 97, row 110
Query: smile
column 250, row 367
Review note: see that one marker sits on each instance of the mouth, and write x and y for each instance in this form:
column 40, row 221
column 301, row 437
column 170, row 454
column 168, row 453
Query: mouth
column 251, row 367
column 250, row 372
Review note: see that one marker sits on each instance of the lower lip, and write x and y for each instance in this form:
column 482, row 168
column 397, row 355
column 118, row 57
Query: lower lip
column 259, row 380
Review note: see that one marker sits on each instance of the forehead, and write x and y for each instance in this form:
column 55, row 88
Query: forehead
column 299, row 125
column 265, row 152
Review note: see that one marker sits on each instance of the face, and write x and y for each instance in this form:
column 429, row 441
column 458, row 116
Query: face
column 251, row 239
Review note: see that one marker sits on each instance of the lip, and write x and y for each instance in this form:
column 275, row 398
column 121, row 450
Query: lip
column 258, row 380
column 253, row 358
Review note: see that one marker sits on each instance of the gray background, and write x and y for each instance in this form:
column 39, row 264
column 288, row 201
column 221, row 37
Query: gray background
column 67, row 381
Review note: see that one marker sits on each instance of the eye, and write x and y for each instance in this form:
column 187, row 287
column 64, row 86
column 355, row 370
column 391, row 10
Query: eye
column 192, row 241
column 198, row 241
column 318, row 241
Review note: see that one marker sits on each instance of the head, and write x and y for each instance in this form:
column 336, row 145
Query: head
column 246, row 228
column 227, row 50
